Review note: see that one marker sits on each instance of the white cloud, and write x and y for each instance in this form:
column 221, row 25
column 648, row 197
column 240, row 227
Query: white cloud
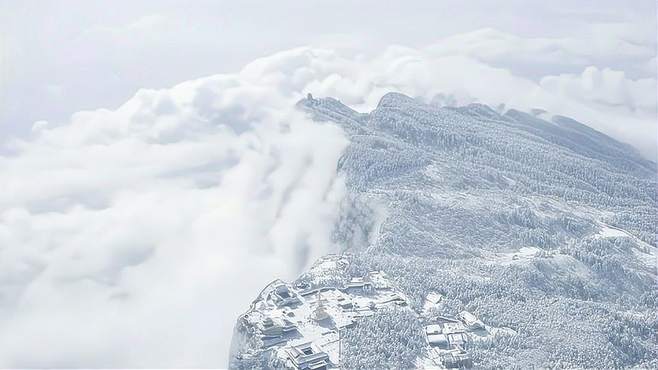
column 133, row 237
column 617, row 45
column 606, row 87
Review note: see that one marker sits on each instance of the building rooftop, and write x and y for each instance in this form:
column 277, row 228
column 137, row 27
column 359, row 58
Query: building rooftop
column 433, row 329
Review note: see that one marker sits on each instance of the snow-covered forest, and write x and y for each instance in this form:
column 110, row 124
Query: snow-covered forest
column 545, row 227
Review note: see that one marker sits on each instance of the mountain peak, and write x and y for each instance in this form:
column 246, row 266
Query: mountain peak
column 394, row 99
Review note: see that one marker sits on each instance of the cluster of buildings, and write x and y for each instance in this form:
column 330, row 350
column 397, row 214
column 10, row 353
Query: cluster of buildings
column 449, row 338
column 297, row 326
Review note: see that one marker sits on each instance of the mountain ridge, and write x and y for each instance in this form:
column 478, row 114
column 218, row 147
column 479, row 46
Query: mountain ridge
column 520, row 220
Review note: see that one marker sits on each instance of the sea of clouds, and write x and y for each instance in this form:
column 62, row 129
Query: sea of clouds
column 134, row 237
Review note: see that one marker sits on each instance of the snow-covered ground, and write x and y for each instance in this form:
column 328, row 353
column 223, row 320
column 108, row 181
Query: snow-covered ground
column 319, row 312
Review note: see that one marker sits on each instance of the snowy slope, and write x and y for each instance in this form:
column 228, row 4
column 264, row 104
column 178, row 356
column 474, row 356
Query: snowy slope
column 546, row 228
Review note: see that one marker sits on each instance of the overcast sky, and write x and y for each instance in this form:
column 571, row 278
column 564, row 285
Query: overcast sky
column 59, row 57
column 154, row 174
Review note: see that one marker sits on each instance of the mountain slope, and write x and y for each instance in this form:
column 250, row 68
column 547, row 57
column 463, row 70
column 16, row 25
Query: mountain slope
column 544, row 227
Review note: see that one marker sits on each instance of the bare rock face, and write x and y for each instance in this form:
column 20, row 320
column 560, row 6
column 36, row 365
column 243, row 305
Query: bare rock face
column 475, row 237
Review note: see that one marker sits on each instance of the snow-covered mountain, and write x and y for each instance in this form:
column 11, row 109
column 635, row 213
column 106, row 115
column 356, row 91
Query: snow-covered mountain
column 541, row 229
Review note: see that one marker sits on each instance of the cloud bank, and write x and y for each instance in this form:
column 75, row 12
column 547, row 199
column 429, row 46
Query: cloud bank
column 133, row 237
